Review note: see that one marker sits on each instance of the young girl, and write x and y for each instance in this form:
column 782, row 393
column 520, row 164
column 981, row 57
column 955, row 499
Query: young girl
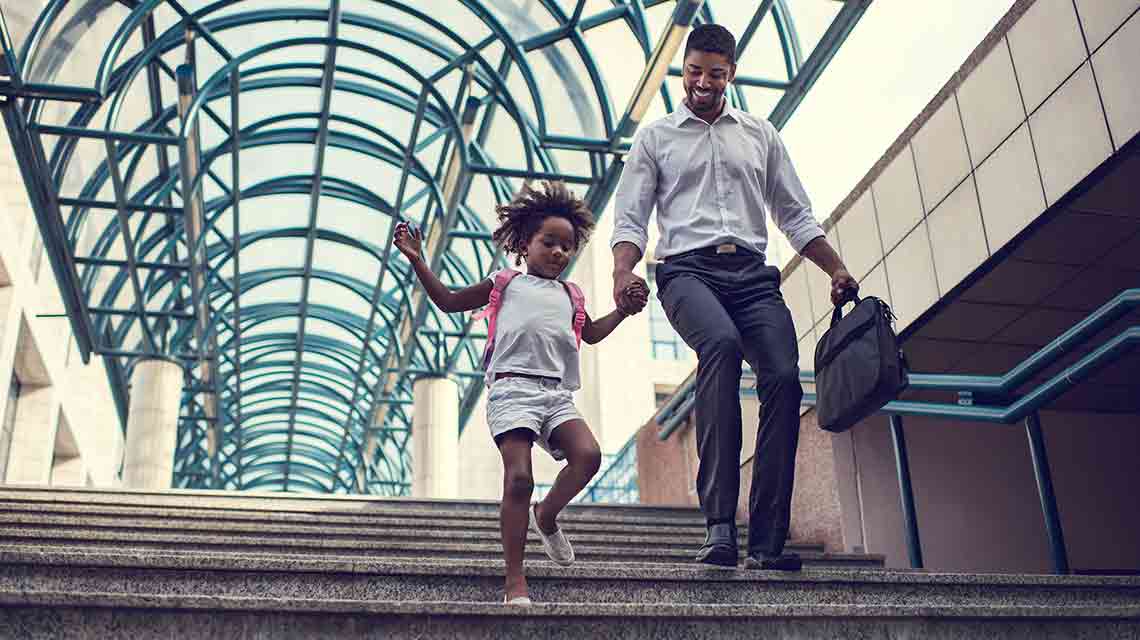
column 532, row 364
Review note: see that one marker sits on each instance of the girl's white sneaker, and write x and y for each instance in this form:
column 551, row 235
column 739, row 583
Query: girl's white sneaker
column 556, row 545
column 520, row 601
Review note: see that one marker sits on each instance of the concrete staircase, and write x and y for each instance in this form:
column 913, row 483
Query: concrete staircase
column 85, row 563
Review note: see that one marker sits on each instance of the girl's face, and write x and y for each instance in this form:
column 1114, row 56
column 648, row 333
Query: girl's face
column 550, row 248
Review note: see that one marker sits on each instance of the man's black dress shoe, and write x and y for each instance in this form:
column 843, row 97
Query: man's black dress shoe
column 720, row 546
column 782, row 562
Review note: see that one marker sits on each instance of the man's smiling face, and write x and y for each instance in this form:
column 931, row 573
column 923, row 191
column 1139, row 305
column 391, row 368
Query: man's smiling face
column 706, row 77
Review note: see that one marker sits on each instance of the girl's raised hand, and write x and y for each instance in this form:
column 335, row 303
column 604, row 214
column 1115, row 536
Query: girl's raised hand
column 408, row 240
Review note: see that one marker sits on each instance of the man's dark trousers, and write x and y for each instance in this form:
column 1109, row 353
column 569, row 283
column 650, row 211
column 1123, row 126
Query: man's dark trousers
column 728, row 308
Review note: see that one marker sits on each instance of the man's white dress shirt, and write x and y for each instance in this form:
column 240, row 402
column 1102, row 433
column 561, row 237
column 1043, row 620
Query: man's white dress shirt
column 711, row 184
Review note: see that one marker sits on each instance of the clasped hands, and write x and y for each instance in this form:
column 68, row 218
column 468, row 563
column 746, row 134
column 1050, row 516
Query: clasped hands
column 631, row 293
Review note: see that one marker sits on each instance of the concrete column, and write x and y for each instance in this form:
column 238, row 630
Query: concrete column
column 9, row 331
column 152, row 424
column 33, row 438
column 435, row 438
column 68, row 472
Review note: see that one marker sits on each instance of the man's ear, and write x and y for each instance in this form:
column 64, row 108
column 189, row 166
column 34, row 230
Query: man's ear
column 732, row 72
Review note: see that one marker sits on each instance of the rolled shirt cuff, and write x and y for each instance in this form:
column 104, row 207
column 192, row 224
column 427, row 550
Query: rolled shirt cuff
column 639, row 240
column 803, row 236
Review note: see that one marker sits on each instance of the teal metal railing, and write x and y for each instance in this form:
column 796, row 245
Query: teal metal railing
column 615, row 483
column 983, row 398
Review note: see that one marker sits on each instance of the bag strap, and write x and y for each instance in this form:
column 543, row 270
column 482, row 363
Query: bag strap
column 578, row 303
column 837, row 313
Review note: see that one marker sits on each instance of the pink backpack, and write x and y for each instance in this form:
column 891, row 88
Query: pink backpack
column 495, row 303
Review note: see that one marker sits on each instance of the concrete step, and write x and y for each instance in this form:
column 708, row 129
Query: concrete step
column 380, row 514
column 372, row 528
column 194, row 574
column 192, row 532
column 489, row 549
column 219, row 501
column 94, row 614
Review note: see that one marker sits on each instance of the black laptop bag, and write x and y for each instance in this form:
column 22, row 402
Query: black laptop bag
column 858, row 365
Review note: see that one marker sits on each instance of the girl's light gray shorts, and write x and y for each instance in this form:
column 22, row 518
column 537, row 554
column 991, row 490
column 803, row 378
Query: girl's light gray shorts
column 538, row 405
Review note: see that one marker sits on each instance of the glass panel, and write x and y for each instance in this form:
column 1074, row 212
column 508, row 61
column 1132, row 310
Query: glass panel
column 73, row 45
column 664, row 341
column 568, row 93
column 20, row 16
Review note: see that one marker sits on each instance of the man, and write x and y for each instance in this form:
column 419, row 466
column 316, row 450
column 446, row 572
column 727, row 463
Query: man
column 715, row 173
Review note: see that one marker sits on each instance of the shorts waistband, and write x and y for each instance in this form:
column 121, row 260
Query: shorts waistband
column 528, row 376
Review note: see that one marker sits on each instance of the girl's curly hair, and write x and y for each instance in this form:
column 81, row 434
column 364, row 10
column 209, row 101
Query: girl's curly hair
column 522, row 217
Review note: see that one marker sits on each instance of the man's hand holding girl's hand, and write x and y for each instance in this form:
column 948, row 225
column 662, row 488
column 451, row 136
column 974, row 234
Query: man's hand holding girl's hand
column 633, row 296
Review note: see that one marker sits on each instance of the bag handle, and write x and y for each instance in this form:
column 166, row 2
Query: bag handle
column 837, row 313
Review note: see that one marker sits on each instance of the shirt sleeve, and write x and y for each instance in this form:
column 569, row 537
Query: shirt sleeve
column 636, row 194
column 791, row 208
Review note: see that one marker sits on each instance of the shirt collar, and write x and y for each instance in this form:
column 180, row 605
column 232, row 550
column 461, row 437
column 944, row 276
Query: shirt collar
column 683, row 113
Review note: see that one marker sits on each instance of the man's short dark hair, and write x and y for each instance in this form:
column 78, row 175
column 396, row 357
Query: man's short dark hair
column 712, row 38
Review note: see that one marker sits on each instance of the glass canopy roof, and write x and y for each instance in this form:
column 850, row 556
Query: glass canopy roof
column 217, row 183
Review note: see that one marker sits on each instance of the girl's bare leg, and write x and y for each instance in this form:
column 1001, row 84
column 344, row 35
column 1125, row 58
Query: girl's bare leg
column 583, row 457
column 518, row 485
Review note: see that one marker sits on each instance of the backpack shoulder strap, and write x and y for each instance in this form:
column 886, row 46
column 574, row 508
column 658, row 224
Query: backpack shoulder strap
column 495, row 301
column 578, row 303
column 491, row 311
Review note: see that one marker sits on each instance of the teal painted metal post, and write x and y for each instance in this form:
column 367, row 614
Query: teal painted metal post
column 1045, row 492
column 906, row 494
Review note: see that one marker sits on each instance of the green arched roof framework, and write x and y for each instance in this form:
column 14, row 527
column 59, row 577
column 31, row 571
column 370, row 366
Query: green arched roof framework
column 217, row 183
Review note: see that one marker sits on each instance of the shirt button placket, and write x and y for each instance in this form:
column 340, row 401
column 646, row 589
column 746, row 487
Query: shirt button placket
column 719, row 174
column 716, row 174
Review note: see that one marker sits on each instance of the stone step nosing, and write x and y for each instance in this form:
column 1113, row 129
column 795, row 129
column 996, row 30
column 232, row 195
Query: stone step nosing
column 345, row 585
column 375, row 539
column 261, row 515
column 569, row 610
column 485, row 551
column 468, row 568
column 157, row 531
column 297, row 502
column 330, row 528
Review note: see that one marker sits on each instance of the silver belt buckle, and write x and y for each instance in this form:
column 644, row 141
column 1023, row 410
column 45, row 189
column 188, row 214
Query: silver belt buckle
column 725, row 248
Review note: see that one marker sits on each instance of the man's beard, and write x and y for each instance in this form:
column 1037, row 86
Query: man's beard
column 706, row 105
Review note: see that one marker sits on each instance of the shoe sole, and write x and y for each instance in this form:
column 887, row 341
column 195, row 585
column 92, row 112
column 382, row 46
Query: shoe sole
column 720, row 558
column 757, row 565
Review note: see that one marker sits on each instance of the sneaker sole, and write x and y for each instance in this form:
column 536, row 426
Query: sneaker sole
column 546, row 545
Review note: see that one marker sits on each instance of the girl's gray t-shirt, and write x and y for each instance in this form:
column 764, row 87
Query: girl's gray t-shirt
column 534, row 333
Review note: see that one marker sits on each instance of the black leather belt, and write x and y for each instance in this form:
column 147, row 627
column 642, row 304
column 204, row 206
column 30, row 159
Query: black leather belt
column 726, row 250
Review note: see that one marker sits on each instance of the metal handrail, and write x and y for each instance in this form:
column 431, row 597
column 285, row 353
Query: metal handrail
column 607, row 479
column 1030, row 402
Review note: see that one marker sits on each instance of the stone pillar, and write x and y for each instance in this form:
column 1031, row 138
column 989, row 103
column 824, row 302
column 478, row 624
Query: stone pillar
column 152, row 424
column 435, row 438
column 68, row 472
column 33, row 438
